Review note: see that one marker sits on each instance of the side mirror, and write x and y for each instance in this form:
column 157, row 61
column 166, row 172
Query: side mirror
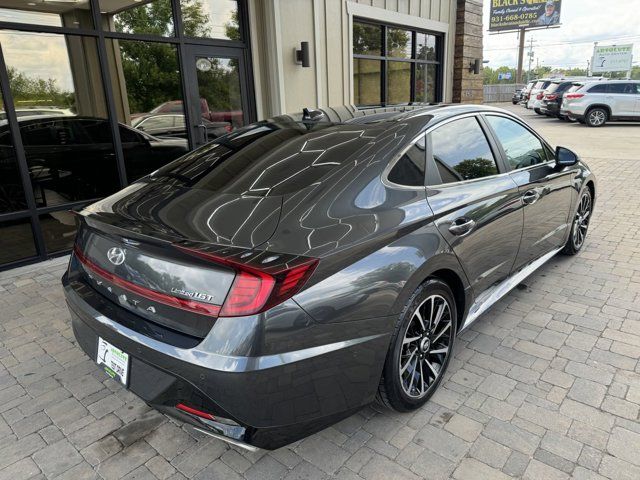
column 565, row 157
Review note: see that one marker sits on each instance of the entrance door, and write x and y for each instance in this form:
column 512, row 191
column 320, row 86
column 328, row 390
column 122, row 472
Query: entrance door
column 217, row 83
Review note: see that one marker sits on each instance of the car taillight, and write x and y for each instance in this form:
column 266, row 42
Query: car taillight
column 551, row 96
column 540, row 95
column 573, row 96
column 228, row 128
column 254, row 289
column 176, row 302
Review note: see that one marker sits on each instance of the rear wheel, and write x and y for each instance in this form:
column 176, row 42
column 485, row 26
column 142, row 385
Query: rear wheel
column 580, row 224
column 538, row 111
column 420, row 349
column 596, row 117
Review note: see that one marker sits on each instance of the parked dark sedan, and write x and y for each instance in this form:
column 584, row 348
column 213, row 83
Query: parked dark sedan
column 276, row 280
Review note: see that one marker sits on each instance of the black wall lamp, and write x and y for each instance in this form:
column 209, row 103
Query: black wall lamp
column 475, row 66
column 302, row 55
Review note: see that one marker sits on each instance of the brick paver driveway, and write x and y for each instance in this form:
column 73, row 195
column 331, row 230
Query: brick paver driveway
column 546, row 385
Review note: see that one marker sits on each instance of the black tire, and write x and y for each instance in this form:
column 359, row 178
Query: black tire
column 538, row 111
column 596, row 117
column 426, row 344
column 580, row 224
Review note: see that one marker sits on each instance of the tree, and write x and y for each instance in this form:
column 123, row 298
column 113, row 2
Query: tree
column 28, row 90
column 476, row 168
column 151, row 69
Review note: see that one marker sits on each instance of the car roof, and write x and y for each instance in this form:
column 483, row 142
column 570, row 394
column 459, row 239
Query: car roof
column 420, row 115
column 588, row 84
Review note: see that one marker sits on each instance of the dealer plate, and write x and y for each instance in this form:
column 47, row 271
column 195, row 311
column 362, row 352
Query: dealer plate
column 114, row 361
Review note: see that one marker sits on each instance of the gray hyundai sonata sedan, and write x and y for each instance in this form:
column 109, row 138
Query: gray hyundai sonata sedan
column 276, row 280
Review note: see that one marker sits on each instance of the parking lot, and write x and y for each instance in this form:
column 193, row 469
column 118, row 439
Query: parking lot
column 546, row 385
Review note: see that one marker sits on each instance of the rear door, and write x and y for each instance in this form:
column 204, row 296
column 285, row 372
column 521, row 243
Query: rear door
column 621, row 100
column 545, row 191
column 477, row 209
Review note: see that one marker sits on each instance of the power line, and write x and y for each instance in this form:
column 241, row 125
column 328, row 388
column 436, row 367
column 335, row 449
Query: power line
column 629, row 37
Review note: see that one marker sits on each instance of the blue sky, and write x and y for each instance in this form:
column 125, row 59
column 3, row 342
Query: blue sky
column 583, row 22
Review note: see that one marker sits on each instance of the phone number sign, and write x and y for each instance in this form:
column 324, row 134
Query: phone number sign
column 515, row 14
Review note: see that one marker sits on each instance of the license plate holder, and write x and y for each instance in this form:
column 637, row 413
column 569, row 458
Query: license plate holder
column 114, row 361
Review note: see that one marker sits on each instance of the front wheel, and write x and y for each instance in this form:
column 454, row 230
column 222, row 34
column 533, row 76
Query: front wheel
column 420, row 349
column 596, row 117
column 580, row 224
column 538, row 111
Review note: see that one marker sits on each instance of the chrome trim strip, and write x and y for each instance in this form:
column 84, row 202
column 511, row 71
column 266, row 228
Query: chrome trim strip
column 215, row 361
column 232, row 441
column 490, row 296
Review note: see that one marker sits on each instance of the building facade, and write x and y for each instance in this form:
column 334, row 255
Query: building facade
column 95, row 94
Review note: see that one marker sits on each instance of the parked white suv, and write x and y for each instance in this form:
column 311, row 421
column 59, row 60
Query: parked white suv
column 596, row 103
column 537, row 93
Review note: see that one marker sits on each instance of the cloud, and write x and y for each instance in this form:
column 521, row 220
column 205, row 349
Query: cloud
column 571, row 45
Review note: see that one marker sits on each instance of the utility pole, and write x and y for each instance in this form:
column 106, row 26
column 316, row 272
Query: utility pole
column 520, row 56
column 530, row 59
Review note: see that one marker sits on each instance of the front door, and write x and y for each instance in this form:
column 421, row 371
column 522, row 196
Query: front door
column 218, row 90
column 545, row 191
column 477, row 210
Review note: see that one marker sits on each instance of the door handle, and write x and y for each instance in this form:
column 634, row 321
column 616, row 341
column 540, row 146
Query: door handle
column 462, row 226
column 530, row 196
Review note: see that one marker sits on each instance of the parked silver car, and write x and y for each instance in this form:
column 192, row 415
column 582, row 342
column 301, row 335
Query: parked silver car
column 596, row 103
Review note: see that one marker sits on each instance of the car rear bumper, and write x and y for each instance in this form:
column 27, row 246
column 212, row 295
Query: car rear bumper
column 263, row 401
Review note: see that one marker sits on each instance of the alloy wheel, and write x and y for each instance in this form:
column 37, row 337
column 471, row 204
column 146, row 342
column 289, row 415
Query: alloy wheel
column 581, row 221
column 425, row 346
column 597, row 118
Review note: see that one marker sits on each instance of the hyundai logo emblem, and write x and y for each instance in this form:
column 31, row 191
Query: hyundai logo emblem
column 116, row 255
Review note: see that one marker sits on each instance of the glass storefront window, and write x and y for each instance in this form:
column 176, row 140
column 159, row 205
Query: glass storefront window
column 148, row 94
column 366, row 81
column 219, row 89
column 58, row 94
column 367, row 39
column 11, row 191
column 399, row 44
column 426, row 47
column 211, row 19
column 404, row 57
column 426, row 75
column 399, row 89
column 58, row 230
column 16, row 241
column 67, row 14
column 133, row 16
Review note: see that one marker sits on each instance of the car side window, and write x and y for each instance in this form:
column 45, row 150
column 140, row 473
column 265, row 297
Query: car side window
column 461, row 151
column 522, row 148
column 617, row 88
column 409, row 169
column 600, row 88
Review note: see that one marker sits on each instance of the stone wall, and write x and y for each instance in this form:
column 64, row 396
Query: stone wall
column 467, row 86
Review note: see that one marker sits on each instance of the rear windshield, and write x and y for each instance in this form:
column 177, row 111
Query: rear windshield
column 267, row 159
column 574, row 88
column 538, row 85
column 553, row 87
